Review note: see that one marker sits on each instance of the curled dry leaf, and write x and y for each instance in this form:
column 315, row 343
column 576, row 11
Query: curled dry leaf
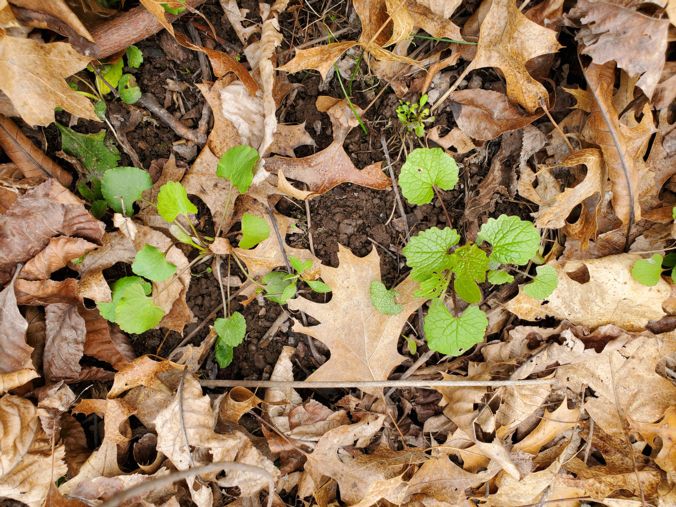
column 54, row 15
column 636, row 42
column 105, row 342
column 64, row 346
column 17, row 378
column 56, row 255
column 237, row 402
column 46, row 211
column 597, row 292
column 507, row 40
column 289, row 137
column 455, row 139
column 409, row 15
column 16, row 353
column 32, row 75
column 363, row 341
column 30, row 160
column 485, row 114
column 321, row 58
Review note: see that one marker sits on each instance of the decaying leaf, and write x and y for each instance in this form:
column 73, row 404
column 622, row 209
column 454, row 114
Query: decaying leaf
column 33, row 73
column 597, row 292
column 636, row 42
column 485, row 114
column 365, row 348
column 16, row 353
column 508, row 40
column 64, row 347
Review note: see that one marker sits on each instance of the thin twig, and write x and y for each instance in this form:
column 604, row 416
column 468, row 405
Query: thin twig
column 280, row 240
column 395, row 187
column 556, row 126
column 149, row 101
column 165, row 480
column 413, row 368
column 443, row 98
column 309, row 226
column 371, row 384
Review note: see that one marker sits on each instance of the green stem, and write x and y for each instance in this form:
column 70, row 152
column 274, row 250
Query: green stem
column 349, row 102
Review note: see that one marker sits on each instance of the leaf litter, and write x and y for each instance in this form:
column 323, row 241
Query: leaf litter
column 524, row 244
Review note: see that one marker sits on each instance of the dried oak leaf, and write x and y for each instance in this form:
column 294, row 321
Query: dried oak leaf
column 623, row 143
column 597, row 292
column 28, row 458
column 485, row 114
column 332, row 166
column 638, row 43
column 42, row 213
column 661, row 166
column 363, row 342
column 289, row 137
column 508, row 40
column 664, row 432
column 33, row 73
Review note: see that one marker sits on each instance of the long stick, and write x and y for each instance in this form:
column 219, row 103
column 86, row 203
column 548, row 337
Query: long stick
column 368, row 384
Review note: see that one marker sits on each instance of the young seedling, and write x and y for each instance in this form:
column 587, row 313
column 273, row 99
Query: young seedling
column 280, row 287
column 438, row 262
column 131, row 307
column 414, row 116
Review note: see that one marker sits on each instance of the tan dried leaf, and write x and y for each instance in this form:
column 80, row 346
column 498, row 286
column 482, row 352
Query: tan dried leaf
column 104, row 342
column 638, row 43
column 321, row 58
column 64, row 346
column 485, row 114
column 156, row 8
column 551, row 426
column 56, row 255
column 289, row 137
column 661, row 433
column 33, row 73
column 17, row 378
column 408, row 15
column 597, row 292
column 16, row 353
column 508, row 40
column 363, row 342
column 59, row 10
column 455, row 139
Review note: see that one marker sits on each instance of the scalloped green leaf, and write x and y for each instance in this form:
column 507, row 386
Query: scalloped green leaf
column 383, row 299
column 428, row 251
column 544, row 283
column 96, row 154
column 231, row 332
column 237, row 166
column 131, row 307
column 451, row 335
column 424, row 169
column 499, row 277
column 124, row 185
column 151, row 263
column 513, row 241
column 254, row 230
column 648, row 271
column 172, row 201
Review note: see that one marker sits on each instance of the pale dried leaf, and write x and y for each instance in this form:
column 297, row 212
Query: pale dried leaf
column 611, row 296
column 16, row 353
column 105, row 342
column 56, row 255
column 289, row 137
column 17, row 378
column 321, row 58
column 59, row 10
column 19, row 423
column 363, row 341
column 455, row 139
column 65, row 342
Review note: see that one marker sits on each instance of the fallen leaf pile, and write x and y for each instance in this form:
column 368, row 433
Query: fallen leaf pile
column 559, row 112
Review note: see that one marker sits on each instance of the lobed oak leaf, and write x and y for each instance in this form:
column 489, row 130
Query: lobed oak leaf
column 363, row 342
column 32, row 74
column 508, row 40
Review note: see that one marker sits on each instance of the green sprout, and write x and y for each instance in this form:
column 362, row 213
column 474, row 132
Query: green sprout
column 414, row 116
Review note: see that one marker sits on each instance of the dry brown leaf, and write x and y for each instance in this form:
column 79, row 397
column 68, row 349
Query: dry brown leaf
column 57, row 9
column 104, row 342
column 638, row 43
column 117, row 433
column 552, row 213
column 408, row 15
column 17, row 378
column 156, row 8
column 235, row 16
column 485, row 114
column 40, row 214
column 16, row 353
column 47, row 292
column 53, row 401
column 56, row 255
column 98, row 489
column 456, row 139
column 237, row 402
column 30, row 160
column 609, row 296
column 665, row 431
column 363, row 341
column 64, row 346
column 201, row 179
column 661, row 168
column 321, row 58
column 289, row 137
column 33, row 73
column 508, row 40
column 551, row 426
column 622, row 145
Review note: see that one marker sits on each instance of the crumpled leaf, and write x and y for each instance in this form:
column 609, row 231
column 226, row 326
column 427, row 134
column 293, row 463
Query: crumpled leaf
column 64, row 346
column 332, row 166
column 363, row 342
column 16, row 353
column 637, row 42
column 32, row 74
column 485, row 114
column 610, row 296
column 56, row 255
column 508, row 40
column 289, row 137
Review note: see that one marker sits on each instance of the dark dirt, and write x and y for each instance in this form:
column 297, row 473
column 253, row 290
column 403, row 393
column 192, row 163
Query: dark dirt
column 358, row 218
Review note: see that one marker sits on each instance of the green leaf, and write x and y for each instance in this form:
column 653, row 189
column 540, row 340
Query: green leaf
column 514, row 241
column 134, row 57
column 131, row 308
column 499, row 277
column 279, row 288
column 172, row 200
column 174, row 7
column 124, row 185
column 384, row 300
column 254, row 230
column 237, row 165
column 99, row 208
column 183, row 237
column 433, row 286
column 299, row 265
column 111, row 72
column 648, row 271
column 318, row 286
column 128, row 90
column 411, row 345
column 151, row 263
column 469, row 263
column 91, row 149
column 424, row 169
column 100, row 109
column 231, row 330
column 451, row 335
column 428, row 251
column 544, row 283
